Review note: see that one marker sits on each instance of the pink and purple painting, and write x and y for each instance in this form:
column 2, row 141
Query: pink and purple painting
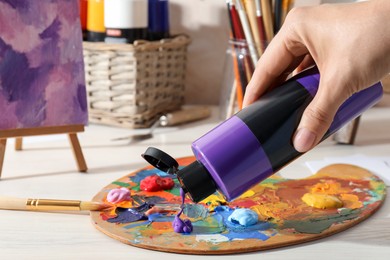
column 41, row 64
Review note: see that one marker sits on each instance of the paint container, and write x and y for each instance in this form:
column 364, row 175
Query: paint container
column 158, row 19
column 95, row 21
column 125, row 20
column 83, row 5
column 257, row 141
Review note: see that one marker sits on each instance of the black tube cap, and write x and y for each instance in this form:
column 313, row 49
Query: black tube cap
column 161, row 160
column 196, row 181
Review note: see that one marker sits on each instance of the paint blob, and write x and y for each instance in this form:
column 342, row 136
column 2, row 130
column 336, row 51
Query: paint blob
column 322, row 201
column 156, row 183
column 179, row 225
column 125, row 215
column 118, row 195
column 243, row 217
column 182, row 226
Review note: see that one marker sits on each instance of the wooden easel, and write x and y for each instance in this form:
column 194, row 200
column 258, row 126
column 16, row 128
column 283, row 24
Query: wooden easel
column 70, row 130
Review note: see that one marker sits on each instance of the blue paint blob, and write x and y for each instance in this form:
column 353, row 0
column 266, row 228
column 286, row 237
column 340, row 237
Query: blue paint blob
column 158, row 217
column 244, row 217
column 246, row 235
column 225, row 212
column 125, row 215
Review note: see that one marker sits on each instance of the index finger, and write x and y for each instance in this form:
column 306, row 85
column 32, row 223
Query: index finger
column 283, row 55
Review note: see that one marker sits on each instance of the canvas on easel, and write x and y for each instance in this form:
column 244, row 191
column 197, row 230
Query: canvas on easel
column 42, row 85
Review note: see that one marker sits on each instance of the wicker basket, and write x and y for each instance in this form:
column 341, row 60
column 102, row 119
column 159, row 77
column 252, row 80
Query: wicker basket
column 131, row 85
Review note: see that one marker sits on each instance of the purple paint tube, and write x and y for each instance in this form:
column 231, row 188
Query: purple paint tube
column 257, row 141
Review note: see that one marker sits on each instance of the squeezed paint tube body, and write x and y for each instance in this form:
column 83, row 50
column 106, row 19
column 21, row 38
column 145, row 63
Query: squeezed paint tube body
column 257, row 141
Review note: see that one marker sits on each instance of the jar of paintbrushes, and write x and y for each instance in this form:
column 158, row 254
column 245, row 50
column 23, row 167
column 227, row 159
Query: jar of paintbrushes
column 238, row 68
column 253, row 24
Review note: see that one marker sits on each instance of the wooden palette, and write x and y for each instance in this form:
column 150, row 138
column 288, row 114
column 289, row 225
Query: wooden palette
column 284, row 219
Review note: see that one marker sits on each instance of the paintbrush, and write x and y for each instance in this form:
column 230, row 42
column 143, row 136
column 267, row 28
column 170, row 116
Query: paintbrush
column 185, row 115
column 11, row 203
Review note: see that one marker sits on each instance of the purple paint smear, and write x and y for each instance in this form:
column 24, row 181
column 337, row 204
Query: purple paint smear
column 182, row 225
column 41, row 64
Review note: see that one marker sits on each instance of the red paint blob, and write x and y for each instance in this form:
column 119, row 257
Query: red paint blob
column 156, row 183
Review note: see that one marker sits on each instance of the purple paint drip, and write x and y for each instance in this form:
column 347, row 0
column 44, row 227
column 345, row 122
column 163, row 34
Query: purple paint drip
column 182, row 225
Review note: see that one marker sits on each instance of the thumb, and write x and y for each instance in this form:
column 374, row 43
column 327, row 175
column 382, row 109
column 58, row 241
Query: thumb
column 317, row 118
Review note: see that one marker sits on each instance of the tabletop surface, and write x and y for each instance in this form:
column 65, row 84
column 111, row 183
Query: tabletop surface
column 46, row 169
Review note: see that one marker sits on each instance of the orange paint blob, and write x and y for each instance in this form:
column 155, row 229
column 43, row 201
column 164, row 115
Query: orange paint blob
column 276, row 211
column 351, row 201
column 329, row 187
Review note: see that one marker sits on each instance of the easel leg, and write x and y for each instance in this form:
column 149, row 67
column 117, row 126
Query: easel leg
column 78, row 153
column 18, row 143
column 3, row 143
column 347, row 134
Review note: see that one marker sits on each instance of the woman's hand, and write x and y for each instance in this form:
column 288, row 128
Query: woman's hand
column 349, row 43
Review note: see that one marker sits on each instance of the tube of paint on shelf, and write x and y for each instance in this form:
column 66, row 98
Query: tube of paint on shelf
column 95, row 21
column 158, row 19
column 126, row 20
column 257, row 141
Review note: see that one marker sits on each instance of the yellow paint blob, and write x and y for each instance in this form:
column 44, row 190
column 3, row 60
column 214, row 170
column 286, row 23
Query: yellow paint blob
column 322, row 201
column 247, row 194
column 351, row 201
column 213, row 201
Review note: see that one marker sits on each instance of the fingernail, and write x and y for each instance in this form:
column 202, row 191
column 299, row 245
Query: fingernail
column 304, row 140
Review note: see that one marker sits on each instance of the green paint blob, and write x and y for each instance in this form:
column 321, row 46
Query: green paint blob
column 212, row 224
column 136, row 188
column 195, row 211
column 345, row 211
column 317, row 226
column 174, row 191
column 272, row 181
column 122, row 184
